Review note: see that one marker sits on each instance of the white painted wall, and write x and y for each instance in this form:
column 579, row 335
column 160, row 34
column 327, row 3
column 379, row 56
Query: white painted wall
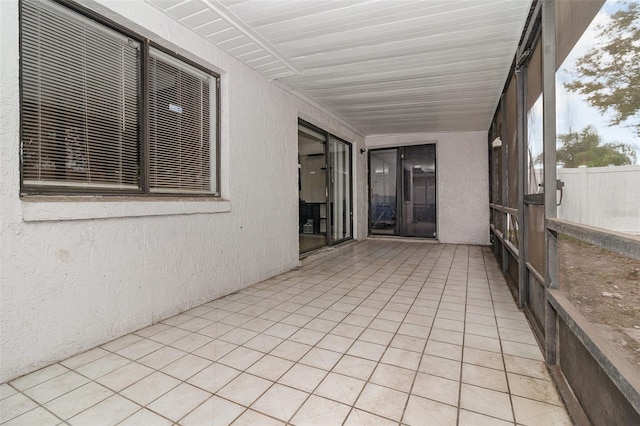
column 462, row 181
column 606, row 197
column 75, row 274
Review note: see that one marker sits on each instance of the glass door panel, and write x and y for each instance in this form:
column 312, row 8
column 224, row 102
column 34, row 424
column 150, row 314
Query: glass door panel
column 383, row 184
column 340, row 189
column 419, row 191
column 312, row 190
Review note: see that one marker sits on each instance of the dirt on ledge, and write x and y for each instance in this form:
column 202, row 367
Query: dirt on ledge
column 605, row 287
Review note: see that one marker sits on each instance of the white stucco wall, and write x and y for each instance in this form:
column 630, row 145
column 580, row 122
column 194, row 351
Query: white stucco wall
column 462, row 182
column 75, row 274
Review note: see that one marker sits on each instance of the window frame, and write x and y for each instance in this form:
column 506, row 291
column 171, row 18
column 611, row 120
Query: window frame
column 143, row 143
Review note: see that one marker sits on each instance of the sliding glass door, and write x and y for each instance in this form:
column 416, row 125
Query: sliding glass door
column 340, row 189
column 402, row 184
column 324, row 188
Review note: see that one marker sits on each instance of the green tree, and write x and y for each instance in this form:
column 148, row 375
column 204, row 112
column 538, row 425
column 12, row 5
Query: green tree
column 586, row 148
column 608, row 75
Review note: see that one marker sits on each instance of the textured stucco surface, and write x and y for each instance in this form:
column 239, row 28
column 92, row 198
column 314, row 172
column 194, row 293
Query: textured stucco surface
column 462, row 182
column 76, row 274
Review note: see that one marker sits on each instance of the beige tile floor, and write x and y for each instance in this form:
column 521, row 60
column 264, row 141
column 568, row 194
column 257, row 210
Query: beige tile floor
column 373, row 333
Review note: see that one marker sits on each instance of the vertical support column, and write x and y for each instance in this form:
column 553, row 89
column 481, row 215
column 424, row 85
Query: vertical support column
column 550, row 193
column 522, row 181
column 504, row 182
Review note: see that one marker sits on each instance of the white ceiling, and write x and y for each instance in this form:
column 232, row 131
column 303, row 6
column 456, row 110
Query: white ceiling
column 385, row 66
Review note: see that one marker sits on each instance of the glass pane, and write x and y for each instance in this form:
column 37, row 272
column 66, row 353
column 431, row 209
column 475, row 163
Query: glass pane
column 383, row 171
column 535, row 168
column 419, row 191
column 179, row 130
column 79, row 119
column 312, row 184
column 340, row 168
column 598, row 115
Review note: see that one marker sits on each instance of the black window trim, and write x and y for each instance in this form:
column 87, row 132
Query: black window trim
column 143, row 191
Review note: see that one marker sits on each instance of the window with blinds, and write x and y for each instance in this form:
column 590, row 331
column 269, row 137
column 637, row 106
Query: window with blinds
column 179, row 126
column 83, row 89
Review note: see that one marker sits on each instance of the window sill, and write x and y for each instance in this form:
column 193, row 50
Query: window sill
column 39, row 209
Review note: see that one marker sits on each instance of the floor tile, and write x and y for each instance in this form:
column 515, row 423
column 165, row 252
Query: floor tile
column 536, row 389
column 382, row 401
column 400, row 379
column 179, row 401
column 170, row 335
column 38, row 416
column 526, row 367
column 150, row 388
column 447, row 336
column 409, row 343
column 84, row 358
column 483, row 358
column 340, row 388
column 51, row 389
column 186, row 367
column 124, row 376
column 145, row 417
column 469, row 418
column 303, row 377
column 355, row 367
column 6, row 391
column 29, row 380
column 151, row 330
column 401, row 358
column 442, row 367
column 362, row 418
column 531, row 413
column 252, row 418
column 292, row 351
column 444, row 350
column 270, row 367
column 482, row 342
column 420, row 409
column 103, row 365
column 486, row 401
column 215, row 350
column 335, row 343
column 366, row 350
column 484, row 377
column 213, row 412
column 214, row 377
column 14, row 406
column 522, row 350
column 110, row 411
column 122, row 342
column 280, row 402
column 241, row 358
column 307, row 336
column 321, row 412
column 321, row 358
column 78, row 400
column 191, row 342
column 244, row 389
column 436, row 388
column 238, row 336
column 214, row 330
column 139, row 349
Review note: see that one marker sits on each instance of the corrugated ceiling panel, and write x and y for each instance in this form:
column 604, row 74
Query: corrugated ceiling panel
column 384, row 66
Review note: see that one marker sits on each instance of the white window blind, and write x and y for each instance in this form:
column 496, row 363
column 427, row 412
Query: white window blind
column 80, row 101
column 181, row 100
